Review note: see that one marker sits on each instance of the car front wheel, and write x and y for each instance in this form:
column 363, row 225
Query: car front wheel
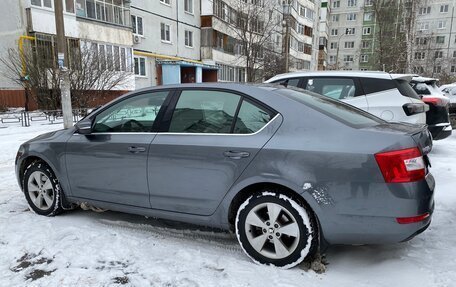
column 274, row 229
column 42, row 189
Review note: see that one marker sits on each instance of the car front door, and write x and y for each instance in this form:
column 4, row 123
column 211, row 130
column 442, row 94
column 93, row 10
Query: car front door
column 345, row 89
column 110, row 163
column 210, row 137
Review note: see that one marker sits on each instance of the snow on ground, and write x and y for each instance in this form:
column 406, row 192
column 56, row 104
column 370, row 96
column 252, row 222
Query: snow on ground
column 84, row 248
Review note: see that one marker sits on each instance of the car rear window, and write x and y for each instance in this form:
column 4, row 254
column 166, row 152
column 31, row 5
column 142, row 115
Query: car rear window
column 405, row 89
column 372, row 85
column 340, row 111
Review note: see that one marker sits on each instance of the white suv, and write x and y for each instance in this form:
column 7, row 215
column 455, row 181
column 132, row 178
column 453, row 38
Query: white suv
column 388, row 96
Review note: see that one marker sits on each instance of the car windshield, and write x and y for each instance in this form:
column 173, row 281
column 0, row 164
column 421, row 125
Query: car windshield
column 340, row 111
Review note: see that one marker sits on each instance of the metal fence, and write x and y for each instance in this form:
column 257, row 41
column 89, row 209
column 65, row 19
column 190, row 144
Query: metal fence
column 27, row 118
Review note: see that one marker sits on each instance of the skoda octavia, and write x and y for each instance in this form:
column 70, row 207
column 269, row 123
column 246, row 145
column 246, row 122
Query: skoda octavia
column 285, row 169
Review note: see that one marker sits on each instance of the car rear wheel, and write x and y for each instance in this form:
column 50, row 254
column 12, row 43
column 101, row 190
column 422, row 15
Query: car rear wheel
column 274, row 229
column 42, row 189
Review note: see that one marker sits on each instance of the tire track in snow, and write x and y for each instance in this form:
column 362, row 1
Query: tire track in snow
column 220, row 240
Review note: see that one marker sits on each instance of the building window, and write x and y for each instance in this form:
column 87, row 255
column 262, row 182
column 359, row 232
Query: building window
column 440, row 39
column 335, row 18
column 368, row 2
column 333, row 45
column 351, row 3
column 167, row 2
column 349, row 45
column 188, row 38
column 165, row 32
column 453, row 69
column 365, row 44
column 454, row 54
column 137, row 24
column 441, row 24
column 336, row 4
column 368, row 16
column 444, row 8
column 351, row 17
column 140, row 66
column 116, row 12
column 348, row 58
column 366, row 30
column 438, row 54
column 423, row 26
column 42, row 3
column 437, row 69
column 188, row 6
column 350, row 31
column 332, row 59
column 421, row 41
column 334, row 32
column 420, row 55
column 424, row 10
column 364, row 58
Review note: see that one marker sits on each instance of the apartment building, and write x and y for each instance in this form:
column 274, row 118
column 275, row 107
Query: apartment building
column 323, row 35
column 434, row 52
column 222, row 44
column 166, row 35
column 102, row 25
column 345, row 34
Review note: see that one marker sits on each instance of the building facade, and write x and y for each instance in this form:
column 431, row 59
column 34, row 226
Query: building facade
column 289, row 33
column 166, row 35
column 103, row 26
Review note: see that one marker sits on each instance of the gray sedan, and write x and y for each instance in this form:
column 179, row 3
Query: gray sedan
column 288, row 171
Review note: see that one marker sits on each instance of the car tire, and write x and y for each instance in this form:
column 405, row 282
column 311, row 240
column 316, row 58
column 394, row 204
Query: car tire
column 274, row 229
column 42, row 189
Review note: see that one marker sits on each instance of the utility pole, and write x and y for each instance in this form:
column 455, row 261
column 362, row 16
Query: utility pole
column 63, row 69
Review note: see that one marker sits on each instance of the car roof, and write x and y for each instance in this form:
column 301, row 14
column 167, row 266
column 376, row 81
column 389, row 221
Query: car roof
column 365, row 74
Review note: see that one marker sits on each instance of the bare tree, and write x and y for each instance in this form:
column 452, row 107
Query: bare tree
column 91, row 73
column 253, row 25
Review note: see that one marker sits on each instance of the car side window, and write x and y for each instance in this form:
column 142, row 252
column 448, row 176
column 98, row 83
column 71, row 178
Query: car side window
column 251, row 118
column 336, row 88
column 204, row 112
column 289, row 82
column 135, row 114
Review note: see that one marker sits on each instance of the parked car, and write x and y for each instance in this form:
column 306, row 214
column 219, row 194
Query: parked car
column 450, row 92
column 437, row 118
column 387, row 96
column 248, row 158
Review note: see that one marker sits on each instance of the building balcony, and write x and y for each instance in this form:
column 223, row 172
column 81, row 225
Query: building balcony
column 116, row 12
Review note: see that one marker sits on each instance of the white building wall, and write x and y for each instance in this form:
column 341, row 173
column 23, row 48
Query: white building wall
column 341, row 25
column 12, row 25
column 154, row 13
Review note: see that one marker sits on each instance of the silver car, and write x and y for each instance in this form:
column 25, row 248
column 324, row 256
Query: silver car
column 287, row 170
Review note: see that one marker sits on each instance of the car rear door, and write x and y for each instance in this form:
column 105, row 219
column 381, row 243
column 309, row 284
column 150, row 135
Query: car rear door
column 110, row 164
column 208, row 138
column 346, row 89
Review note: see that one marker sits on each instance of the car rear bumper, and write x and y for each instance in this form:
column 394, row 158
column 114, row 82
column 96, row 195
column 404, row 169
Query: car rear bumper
column 375, row 216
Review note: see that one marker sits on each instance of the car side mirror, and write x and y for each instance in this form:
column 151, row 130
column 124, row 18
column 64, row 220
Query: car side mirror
column 84, row 127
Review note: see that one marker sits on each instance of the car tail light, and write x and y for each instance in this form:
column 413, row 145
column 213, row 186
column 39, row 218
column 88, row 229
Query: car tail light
column 435, row 101
column 413, row 219
column 405, row 165
column 415, row 108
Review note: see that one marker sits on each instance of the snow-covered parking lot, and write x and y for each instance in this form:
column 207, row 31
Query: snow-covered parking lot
column 84, row 248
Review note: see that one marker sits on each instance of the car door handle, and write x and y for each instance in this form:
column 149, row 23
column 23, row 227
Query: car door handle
column 136, row 149
column 236, row 154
